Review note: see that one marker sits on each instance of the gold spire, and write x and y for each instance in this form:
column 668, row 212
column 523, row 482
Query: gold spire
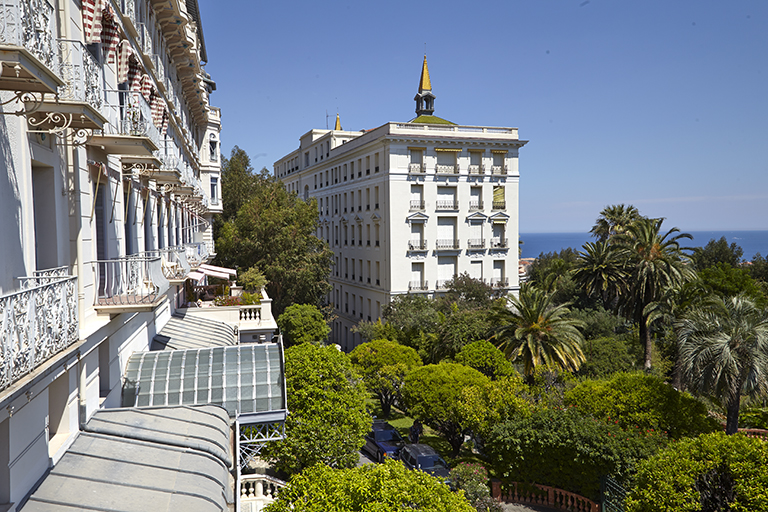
column 338, row 123
column 424, row 83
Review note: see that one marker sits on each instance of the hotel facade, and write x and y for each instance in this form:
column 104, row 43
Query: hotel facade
column 407, row 206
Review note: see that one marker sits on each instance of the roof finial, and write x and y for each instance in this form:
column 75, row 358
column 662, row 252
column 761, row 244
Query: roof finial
column 424, row 83
column 338, row 123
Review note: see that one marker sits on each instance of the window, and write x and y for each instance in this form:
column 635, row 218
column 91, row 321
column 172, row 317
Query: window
column 376, row 198
column 368, row 165
column 475, row 162
column 499, row 202
column 213, row 148
column 214, row 190
column 376, row 163
column 476, row 198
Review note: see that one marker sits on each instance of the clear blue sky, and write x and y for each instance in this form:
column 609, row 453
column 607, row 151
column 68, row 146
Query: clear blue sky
column 661, row 104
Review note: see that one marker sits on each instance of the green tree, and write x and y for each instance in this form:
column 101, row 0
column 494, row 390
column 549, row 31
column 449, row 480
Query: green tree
column 388, row 487
column 709, row 473
column 275, row 231
column 655, row 262
column 614, row 220
column 724, row 280
column 717, row 251
column 251, row 280
column 432, row 394
column 484, row 357
column 601, row 272
column 457, row 328
column 640, row 401
column 758, row 268
column 467, row 293
column 303, row 323
column 481, row 407
column 605, row 356
column 238, row 182
column 537, row 333
column 328, row 420
column 415, row 319
column 384, row 365
column 724, row 351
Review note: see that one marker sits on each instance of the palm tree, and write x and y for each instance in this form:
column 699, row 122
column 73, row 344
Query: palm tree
column 724, row 351
column 614, row 220
column 538, row 333
column 655, row 262
column 600, row 271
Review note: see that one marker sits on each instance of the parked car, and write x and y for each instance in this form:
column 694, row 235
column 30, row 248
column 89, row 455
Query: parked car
column 424, row 458
column 383, row 441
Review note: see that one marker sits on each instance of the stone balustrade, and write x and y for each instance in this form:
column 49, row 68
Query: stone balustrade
column 36, row 323
column 542, row 495
column 756, row 433
column 258, row 491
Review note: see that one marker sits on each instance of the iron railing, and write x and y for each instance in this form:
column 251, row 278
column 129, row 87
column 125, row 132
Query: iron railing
column 446, row 169
column 416, row 168
column 128, row 281
column 173, row 261
column 499, row 243
column 30, row 24
column 417, row 204
column 418, row 285
column 450, row 204
column 500, row 282
column 476, row 243
column 448, row 244
column 476, row 169
column 129, row 113
column 417, row 245
column 36, row 322
column 498, row 170
column 475, row 205
column 81, row 74
column 197, row 253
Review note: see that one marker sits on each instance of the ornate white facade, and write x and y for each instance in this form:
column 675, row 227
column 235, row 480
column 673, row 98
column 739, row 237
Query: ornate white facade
column 407, row 206
column 109, row 178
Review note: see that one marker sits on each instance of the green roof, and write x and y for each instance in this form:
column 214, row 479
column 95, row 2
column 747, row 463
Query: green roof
column 430, row 120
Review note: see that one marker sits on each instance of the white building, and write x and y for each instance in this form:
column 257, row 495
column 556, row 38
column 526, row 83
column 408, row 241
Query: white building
column 109, row 178
column 407, row 206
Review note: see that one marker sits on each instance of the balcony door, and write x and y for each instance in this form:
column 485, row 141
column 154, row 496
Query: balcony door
column 44, row 199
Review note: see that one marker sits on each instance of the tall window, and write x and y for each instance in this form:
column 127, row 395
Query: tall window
column 214, row 148
column 214, row 190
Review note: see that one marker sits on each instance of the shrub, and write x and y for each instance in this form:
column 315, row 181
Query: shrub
column 709, row 473
column 484, row 357
column 473, row 480
column 252, row 280
column 644, row 401
column 565, row 449
column 754, row 417
column 605, row 356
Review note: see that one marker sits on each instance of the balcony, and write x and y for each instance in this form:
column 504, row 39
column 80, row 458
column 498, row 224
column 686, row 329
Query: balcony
column 450, row 204
column 416, row 169
column 145, row 41
column 419, row 285
column 499, row 243
column 499, row 205
column 28, row 53
column 258, row 491
column 447, row 169
column 476, row 169
column 133, row 283
column 476, row 243
column 36, row 323
column 173, row 261
column 130, row 130
column 80, row 98
column 128, row 11
column 442, row 284
column 475, row 205
column 498, row 170
column 447, row 245
column 417, row 245
column 500, row 282
column 159, row 67
column 196, row 254
column 417, row 204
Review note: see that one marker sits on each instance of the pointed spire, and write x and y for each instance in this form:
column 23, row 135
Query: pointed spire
column 424, row 83
column 338, row 123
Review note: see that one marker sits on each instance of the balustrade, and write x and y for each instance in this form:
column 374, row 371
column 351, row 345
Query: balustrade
column 447, row 169
column 197, row 253
column 258, row 491
column 36, row 323
column 500, row 282
column 129, row 281
column 173, row 261
column 418, row 285
column 542, row 495
column 498, row 170
column 476, row 169
column 415, row 168
column 417, row 204
column 129, row 113
column 447, row 244
column 476, row 243
column 417, row 245
column 81, row 73
column 30, row 24
column 499, row 243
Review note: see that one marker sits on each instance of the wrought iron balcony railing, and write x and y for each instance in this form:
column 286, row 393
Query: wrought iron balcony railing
column 157, row 63
column 443, row 244
column 417, row 204
column 450, row 204
column 417, row 245
column 476, row 169
column 499, row 205
column 131, row 281
column 129, row 113
column 416, row 168
column 475, row 205
column 30, row 24
column 197, row 254
column 36, row 323
column 442, row 284
column 500, row 282
column 476, row 243
column 128, row 9
column 145, row 39
column 446, row 169
column 418, row 285
column 499, row 243
column 498, row 170
column 173, row 261
column 81, row 73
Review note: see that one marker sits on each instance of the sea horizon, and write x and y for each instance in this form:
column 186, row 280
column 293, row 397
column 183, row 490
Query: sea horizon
column 536, row 243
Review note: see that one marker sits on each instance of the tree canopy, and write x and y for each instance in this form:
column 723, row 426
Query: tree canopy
column 266, row 226
column 328, row 419
column 388, row 487
column 717, row 251
column 303, row 323
column 484, row 357
column 384, row 365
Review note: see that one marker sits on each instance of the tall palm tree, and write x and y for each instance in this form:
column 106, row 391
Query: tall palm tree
column 655, row 262
column 538, row 333
column 600, row 271
column 614, row 220
column 723, row 349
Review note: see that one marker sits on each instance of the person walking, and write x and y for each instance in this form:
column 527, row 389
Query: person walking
column 416, row 430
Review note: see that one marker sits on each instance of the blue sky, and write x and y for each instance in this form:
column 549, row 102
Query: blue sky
column 661, row 104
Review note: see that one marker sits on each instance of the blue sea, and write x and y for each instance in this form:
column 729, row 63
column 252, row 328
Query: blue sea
column 751, row 242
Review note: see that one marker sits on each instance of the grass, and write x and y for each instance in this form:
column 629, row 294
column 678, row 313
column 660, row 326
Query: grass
column 403, row 422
